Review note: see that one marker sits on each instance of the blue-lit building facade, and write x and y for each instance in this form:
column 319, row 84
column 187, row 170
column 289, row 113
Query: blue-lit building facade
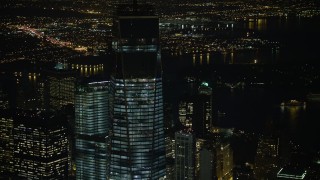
column 137, row 143
column 92, row 130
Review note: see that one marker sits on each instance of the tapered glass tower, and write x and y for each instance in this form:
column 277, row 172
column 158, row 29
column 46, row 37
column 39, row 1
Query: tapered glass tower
column 137, row 147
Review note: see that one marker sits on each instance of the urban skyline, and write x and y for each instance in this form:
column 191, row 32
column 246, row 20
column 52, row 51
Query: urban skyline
column 144, row 89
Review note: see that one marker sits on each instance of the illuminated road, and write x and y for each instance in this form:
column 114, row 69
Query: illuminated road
column 40, row 35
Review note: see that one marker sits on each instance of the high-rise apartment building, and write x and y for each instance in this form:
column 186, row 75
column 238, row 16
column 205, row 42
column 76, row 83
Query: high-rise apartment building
column 185, row 147
column 137, row 147
column 40, row 145
column 92, row 125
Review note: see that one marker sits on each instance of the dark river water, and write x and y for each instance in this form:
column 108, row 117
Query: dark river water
column 258, row 109
column 297, row 37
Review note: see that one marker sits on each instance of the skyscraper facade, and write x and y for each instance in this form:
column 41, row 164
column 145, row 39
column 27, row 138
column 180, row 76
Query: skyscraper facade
column 186, row 113
column 207, row 162
column 266, row 160
column 40, row 145
column 185, row 147
column 224, row 161
column 170, row 147
column 196, row 112
column 59, row 87
column 216, row 161
column 202, row 121
column 6, row 145
column 137, row 147
column 92, row 125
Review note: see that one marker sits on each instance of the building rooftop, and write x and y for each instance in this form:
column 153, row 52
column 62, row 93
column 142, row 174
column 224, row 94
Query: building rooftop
column 135, row 10
column 290, row 172
column 34, row 118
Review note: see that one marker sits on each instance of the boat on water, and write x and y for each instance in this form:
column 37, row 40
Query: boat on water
column 293, row 102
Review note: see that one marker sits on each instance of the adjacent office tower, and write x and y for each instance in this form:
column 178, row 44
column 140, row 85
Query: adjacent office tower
column 6, row 144
column 170, row 147
column 216, row 162
column 202, row 121
column 137, row 148
column 207, row 164
column 196, row 113
column 266, row 160
column 92, row 125
column 40, row 145
column 59, row 87
column 224, row 160
column 186, row 113
column 184, row 155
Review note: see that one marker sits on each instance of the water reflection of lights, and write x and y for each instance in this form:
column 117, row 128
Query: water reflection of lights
column 87, row 70
column 293, row 114
column 292, row 109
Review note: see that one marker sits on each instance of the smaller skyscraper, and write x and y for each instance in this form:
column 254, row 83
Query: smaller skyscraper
column 202, row 121
column 224, row 160
column 6, row 145
column 186, row 113
column 4, row 99
column 170, row 148
column 216, row 161
column 40, row 145
column 196, row 112
column 92, row 125
column 59, row 87
column 170, row 145
column 207, row 163
column 199, row 145
column 184, row 155
column 266, row 160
